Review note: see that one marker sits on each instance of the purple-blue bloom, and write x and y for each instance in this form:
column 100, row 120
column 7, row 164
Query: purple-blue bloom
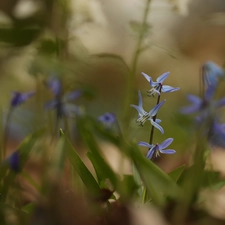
column 199, row 104
column 212, row 73
column 158, row 86
column 107, row 119
column 14, row 161
column 216, row 135
column 61, row 103
column 155, row 150
column 18, row 98
column 143, row 116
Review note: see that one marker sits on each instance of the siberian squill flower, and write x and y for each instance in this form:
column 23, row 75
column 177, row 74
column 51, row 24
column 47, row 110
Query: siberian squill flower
column 155, row 150
column 18, row 98
column 212, row 73
column 216, row 135
column 143, row 116
column 107, row 119
column 158, row 87
column 61, row 103
column 205, row 104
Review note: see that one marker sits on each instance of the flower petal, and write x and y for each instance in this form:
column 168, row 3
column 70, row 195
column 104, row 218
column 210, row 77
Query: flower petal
column 190, row 109
column 167, row 88
column 72, row 95
column 156, row 125
column 161, row 78
column 139, row 109
column 155, row 110
column 145, row 144
column 168, row 151
column 51, row 104
column 166, row 143
column 194, row 99
column 220, row 102
column 150, row 153
column 148, row 78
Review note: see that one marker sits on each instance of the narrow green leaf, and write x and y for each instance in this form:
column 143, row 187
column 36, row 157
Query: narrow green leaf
column 175, row 174
column 103, row 170
column 80, row 167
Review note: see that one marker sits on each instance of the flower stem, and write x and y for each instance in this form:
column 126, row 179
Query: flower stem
column 131, row 81
column 154, row 119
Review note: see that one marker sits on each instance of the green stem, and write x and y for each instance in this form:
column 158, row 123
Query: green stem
column 131, row 79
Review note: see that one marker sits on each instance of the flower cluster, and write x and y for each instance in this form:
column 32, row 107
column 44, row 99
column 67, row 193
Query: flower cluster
column 61, row 103
column 156, row 89
column 206, row 107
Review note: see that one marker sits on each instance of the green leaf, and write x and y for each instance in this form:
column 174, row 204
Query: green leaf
column 24, row 151
column 175, row 174
column 103, row 170
column 157, row 182
column 85, row 175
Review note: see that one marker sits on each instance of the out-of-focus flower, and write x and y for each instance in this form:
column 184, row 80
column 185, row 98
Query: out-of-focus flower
column 158, row 87
column 61, row 103
column 205, row 104
column 107, row 119
column 18, row 98
column 216, row 135
column 212, row 73
column 14, row 161
column 155, row 150
column 143, row 116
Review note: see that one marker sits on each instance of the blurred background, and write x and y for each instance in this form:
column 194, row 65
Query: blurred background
column 91, row 44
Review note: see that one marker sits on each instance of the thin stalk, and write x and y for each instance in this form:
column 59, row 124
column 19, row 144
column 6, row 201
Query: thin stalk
column 131, row 81
column 154, row 119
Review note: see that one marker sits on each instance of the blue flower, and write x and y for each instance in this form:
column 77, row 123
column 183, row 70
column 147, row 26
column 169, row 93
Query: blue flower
column 55, row 85
column 107, row 119
column 143, row 116
column 205, row 105
column 216, row 135
column 14, row 161
column 155, row 150
column 61, row 103
column 212, row 73
column 158, row 86
column 18, row 98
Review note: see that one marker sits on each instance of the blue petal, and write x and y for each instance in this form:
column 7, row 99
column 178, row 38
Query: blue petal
column 55, row 85
column 167, row 88
column 168, row 151
column 211, row 73
column 165, row 143
column 158, row 121
column 155, row 110
column 156, row 125
column 148, row 78
column 51, row 104
column 150, row 153
column 145, row 144
column 220, row 102
column 190, row 109
column 194, row 99
column 19, row 98
column 161, row 78
column 72, row 95
column 210, row 92
column 139, row 109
